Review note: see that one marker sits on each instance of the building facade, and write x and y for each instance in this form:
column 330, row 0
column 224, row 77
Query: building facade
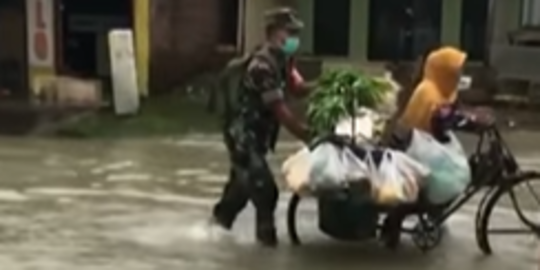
column 43, row 39
column 382, row 30
column 178, row 38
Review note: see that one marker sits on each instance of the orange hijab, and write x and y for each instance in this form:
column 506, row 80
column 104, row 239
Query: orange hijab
column 442, row 69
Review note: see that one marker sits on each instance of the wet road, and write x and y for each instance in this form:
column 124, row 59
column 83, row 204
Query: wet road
column 144, row 205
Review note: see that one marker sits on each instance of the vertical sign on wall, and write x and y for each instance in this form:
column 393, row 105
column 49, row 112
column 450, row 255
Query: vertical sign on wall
column 40, row 29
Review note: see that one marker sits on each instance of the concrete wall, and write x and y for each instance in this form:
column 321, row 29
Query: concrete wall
column 507, row 17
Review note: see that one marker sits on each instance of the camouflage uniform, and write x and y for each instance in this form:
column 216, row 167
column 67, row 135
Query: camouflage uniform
column 250, row 132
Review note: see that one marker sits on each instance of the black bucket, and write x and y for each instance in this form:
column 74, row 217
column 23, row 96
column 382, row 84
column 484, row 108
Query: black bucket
column 348, row 215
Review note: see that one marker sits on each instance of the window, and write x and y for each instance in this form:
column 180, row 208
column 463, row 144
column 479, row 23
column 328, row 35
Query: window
column 474, row 19
column 331, row 27
column 402, row 30
column 229, row 14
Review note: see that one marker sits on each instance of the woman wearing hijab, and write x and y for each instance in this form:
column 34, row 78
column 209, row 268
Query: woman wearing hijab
column 432, row 108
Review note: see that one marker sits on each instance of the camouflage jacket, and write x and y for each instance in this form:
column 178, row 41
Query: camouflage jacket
column 252, row 123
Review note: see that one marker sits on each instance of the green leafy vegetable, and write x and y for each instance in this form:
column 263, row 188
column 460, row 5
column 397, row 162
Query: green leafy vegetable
column 338, row 94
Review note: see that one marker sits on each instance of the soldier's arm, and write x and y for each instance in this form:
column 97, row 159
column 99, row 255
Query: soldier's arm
column 266, row 81
column 298, row 86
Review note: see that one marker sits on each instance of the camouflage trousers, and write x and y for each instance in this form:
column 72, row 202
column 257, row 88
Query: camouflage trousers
column 250, row 179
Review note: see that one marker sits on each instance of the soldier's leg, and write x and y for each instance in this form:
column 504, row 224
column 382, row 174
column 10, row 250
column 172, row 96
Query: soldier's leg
column 235, row 193
column 263, row 193
column 233, row 199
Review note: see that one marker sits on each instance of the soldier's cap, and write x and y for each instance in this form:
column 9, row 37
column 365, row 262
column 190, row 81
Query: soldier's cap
column 283, row 17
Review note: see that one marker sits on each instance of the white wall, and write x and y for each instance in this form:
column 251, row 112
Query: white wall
column 530, row 13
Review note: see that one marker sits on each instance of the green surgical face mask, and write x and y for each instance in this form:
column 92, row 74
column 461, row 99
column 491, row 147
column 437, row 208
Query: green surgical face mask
column 291, row 45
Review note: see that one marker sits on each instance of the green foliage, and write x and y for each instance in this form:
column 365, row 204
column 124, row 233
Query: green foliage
column 169, row 115
column 339, row 93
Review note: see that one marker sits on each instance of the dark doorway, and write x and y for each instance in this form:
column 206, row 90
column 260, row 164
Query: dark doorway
column 84, row 26
column 331, row 27
column 474, row 19
column 404, row 29
column 229, row 14
column 13, row 51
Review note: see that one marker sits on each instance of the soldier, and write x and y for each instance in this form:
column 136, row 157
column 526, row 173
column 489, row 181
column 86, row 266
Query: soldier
column 252, row 125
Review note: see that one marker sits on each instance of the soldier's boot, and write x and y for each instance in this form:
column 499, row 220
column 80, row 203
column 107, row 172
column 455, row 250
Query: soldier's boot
column 266, row 232
column 232, row 201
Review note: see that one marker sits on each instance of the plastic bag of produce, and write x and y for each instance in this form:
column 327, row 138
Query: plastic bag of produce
column 396, row 178
column 296, row 169
column 450, row 172
column 326, row 167
column 334, row 167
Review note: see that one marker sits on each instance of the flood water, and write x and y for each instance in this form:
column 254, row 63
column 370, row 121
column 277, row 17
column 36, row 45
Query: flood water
column 144, row 204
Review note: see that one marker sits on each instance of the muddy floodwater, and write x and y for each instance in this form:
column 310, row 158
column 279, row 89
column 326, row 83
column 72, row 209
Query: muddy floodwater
column 144, row 205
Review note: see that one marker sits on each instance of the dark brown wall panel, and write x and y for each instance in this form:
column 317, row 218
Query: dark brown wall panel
column 184, row 35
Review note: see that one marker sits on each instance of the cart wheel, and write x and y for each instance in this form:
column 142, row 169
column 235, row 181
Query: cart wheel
column 426, row 235
column 291, row 219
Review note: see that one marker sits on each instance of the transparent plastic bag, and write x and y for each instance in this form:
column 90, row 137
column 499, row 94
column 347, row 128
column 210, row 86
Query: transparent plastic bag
column 355, row 168
column 296, row 169
column 413, row 172
column 395, row 179
column 448, row 163
column 334, row 167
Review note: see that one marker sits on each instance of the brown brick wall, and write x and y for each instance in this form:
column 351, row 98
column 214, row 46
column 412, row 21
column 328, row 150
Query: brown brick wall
column 183, row 38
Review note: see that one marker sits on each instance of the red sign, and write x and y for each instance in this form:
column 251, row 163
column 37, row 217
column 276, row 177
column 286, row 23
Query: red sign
column 40, row 37
column 40, row 32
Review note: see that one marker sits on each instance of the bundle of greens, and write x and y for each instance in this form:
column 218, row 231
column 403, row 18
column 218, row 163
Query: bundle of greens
column 339, row 93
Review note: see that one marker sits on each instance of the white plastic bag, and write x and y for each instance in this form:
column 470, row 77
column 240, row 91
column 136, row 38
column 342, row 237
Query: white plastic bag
column 448, row 163
column 334, row 167
column 395, row 179
column 361, row 126
column 364, row 127
column 296, row 170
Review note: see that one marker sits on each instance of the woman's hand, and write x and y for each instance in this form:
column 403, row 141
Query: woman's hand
column 483, row 116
